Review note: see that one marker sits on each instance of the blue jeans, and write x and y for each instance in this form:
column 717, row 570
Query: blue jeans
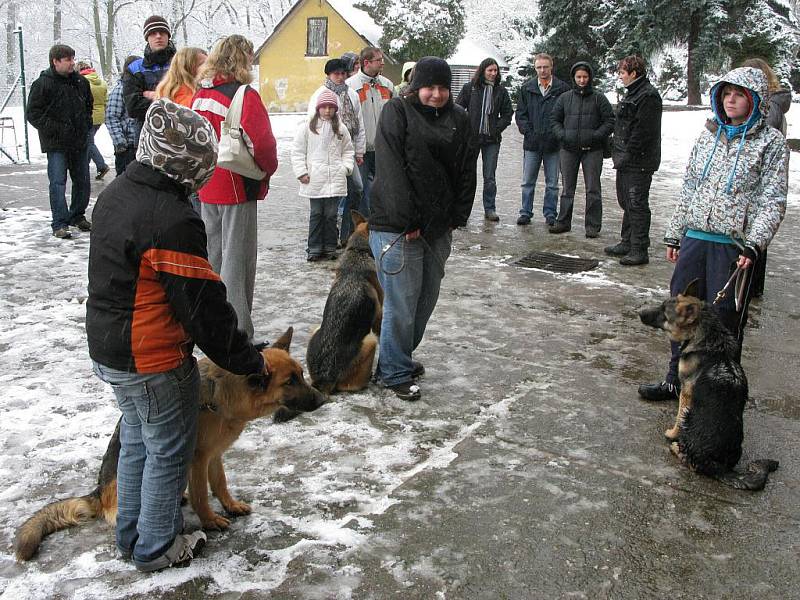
column 76, row 163
column 489, row 155
column 353, row 200
column 530, row 173
column 409, row 297
column 157, row 436
column 322, row 234
column 94, row 153
column 367, row 170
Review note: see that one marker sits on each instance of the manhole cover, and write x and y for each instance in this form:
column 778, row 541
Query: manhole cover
column 557, row 263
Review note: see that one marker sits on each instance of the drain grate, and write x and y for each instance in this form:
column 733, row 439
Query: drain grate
column 557, row 263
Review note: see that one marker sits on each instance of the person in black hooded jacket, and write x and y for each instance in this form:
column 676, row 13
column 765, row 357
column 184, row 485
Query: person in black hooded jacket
column 142, row 76
column 424, row 188
column 582, row 121
column 490, row 111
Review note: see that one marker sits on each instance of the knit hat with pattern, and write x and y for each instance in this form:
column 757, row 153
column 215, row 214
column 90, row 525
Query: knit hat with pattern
column 155, row 23
column 327, row 98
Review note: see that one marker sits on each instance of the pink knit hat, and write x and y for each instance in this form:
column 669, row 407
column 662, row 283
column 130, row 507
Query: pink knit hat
column 327, row 98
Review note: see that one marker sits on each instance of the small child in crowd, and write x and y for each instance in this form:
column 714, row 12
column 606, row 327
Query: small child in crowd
column 322, row 158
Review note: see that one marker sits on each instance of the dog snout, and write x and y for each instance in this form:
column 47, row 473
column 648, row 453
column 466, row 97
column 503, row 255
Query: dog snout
column 653, row 316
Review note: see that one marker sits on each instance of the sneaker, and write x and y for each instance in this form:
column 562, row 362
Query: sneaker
column 550, row 221
column 591, row 233
column 185, row 548
column 559, row 228
column 417, row 369
column 620, row 249
column 315, row 257
column 408, row 391
column 62, row 233
column 331, row 256
column 82, row 224
column 659, row 392
column 491, row 216
column 635, row 257
column 102, row 173
column 524, row 220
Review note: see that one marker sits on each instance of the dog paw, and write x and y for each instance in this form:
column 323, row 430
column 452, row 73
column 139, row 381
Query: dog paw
column 215, row 522
column 671, row 434
column 238, row 508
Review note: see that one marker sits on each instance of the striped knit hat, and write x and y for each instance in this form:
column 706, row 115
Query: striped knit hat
column 156, row 23
column 327, row 98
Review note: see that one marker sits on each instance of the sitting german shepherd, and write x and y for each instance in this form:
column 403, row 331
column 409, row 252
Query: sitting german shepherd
column 228, row 403
column 340, row 352
column 708, row 430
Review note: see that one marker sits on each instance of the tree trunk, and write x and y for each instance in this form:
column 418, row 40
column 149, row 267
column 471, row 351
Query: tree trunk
column 56, row 22
column 11, row 43
column 108, row 66
column 98, row 35
column 692, row 68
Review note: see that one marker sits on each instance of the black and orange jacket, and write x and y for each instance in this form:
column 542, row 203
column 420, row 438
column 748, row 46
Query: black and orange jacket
column 152, row 291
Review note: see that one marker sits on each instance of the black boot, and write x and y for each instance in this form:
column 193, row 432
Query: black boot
column 637, row 256
column 659, row 392
column 620, row 249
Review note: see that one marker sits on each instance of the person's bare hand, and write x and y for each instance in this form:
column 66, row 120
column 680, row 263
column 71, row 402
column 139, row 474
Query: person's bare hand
column 150, row 95
column 672, row 254
column 744, row 262
column 304, row 179
column 413, row 235
column 359, row 160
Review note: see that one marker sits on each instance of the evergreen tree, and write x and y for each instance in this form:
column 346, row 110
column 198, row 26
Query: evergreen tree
column 413, row 28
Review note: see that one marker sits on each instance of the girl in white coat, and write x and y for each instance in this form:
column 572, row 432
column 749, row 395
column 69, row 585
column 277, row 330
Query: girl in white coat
column 322, row 158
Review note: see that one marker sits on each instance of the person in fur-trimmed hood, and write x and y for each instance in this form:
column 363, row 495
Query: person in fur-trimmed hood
column 734, row 192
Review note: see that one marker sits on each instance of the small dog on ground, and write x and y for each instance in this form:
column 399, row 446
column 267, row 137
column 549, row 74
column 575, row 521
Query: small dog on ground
column 341, row 351
column 228, row 403
column 708, row 431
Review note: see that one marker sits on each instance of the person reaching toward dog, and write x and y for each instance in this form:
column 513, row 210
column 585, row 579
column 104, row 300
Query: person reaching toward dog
column 731, row 205
column 424, row 188
column 152, row 296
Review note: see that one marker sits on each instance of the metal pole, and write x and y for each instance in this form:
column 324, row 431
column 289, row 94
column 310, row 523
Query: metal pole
column 18, row 31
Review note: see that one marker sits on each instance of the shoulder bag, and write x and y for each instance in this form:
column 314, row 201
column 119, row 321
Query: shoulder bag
column 233, row 153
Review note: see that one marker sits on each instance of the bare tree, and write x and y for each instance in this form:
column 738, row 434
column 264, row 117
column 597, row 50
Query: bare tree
column 105, row 38
column 11, row 42
column 56, row 21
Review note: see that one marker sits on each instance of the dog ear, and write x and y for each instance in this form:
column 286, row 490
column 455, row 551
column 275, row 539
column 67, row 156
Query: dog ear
column 258, row 381
column 693, row 289
column 285, row 340
column 357, row 217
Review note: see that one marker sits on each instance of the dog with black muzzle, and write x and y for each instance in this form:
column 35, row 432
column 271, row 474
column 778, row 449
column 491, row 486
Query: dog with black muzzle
column 708, row 431
column 228, row 403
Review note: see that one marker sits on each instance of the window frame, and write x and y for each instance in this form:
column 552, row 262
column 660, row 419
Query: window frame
column 308, row 36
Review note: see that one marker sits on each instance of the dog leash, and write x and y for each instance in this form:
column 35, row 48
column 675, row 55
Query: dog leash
column 739, row 275
column 402, row 266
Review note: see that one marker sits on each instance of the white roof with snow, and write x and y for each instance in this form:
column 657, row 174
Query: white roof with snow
column 359, row 20
column 470, row 52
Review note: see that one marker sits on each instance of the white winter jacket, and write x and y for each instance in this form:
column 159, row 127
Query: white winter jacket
column 325, row 157
column 360, row 141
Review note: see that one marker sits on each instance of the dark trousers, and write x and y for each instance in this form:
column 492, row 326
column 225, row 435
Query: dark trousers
column 712, row 264
column 489, row 155
column 367, row 171
column 633, row 195
column 351, row 201
column 322, row 234
column 123, row 159
column 592, row 164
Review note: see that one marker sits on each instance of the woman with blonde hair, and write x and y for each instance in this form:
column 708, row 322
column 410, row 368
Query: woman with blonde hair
column 228, row 200
column 180, row 82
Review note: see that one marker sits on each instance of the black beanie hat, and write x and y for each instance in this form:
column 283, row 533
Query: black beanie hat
column 431, row 70
column 155, row 23
column 335, row 64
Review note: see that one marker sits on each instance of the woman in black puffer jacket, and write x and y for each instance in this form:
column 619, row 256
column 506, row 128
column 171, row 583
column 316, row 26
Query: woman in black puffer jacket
column 582, row 120
column 424, row 188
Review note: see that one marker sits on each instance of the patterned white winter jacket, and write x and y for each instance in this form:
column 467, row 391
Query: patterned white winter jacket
column 746, row 198
column 326, row 158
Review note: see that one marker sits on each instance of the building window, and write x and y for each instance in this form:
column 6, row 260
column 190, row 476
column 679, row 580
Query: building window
column 317, row 42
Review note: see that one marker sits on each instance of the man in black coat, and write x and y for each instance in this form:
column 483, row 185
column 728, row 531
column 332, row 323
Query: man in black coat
column 489, row 108
column 536, row 99
column 582, row 121
column 60, row 108
column 140, row 79
column 637, row 155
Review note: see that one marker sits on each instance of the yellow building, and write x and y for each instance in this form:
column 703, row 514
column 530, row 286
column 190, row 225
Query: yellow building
column 291, row 60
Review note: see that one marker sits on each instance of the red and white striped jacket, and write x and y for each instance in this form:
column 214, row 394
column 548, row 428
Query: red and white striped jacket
column 212, row 101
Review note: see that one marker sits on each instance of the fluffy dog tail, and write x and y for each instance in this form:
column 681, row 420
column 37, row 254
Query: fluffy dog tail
column 56, row 516
column 754, row 478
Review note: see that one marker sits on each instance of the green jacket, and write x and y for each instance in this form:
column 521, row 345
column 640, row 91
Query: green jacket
column 99, row 95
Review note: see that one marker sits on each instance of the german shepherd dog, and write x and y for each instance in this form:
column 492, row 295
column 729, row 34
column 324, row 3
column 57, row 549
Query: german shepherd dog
column 708, row 431
column 228, row 403
column 340, row 352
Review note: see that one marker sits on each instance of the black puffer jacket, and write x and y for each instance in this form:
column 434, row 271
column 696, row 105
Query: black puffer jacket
column 533, row 114
column 143, row 75
column 60, row 108
column 637, row 130
column 582, row 118
column 424, row 169
column 471, row 98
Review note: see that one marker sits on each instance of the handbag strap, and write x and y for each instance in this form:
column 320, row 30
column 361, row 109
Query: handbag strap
column 234, row 117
